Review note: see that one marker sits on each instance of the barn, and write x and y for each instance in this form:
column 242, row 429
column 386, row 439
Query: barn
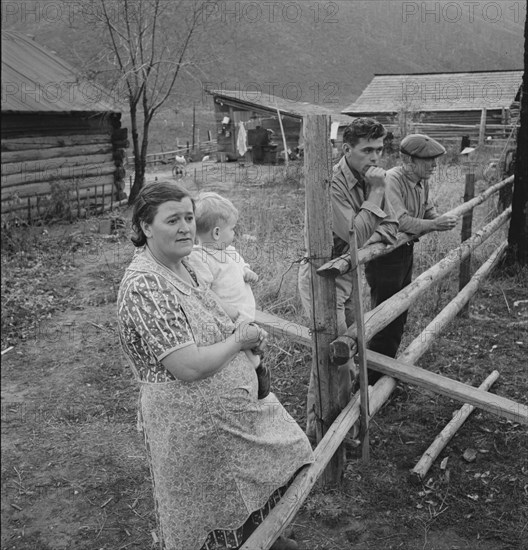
column 256, row 115
column 63, row 147
column 478, row 104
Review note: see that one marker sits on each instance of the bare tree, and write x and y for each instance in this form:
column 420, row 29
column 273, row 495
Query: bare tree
column 150, row 45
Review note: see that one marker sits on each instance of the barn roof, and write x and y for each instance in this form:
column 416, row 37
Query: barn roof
column 470, row 91
column 34, row 79
column 259, row 101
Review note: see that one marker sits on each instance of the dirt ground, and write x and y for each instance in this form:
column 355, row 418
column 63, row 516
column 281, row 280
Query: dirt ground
column 74, row 469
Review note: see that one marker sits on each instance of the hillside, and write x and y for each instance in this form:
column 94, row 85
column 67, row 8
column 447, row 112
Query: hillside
column 324, row 53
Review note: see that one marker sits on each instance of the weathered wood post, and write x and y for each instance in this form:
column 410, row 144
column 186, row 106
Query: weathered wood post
column 467, row 223
column 323, row 293
column 284, row 144
column 482, row 127
column 357, row 300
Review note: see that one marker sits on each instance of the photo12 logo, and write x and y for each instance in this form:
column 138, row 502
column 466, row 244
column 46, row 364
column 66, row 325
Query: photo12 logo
column 466, row 12
column 312, row 92
column 269, row 12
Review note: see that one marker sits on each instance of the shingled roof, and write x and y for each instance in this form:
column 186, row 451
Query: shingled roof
column 258, row 101
column 470, row 91
column 34, row 79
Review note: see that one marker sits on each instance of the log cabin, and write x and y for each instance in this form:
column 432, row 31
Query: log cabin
column 63, row 148
column 483, row 105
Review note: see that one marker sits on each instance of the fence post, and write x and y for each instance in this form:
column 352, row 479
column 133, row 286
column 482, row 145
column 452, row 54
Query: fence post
column 482, row 128
column 357, row 300
column 323, row 292
column 467, row 223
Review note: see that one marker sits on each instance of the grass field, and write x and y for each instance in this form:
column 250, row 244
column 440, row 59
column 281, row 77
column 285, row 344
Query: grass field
column 74, row 470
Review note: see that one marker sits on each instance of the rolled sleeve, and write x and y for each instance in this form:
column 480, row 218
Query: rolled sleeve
column 376, row 210
column 157, row 317
column 407, row 223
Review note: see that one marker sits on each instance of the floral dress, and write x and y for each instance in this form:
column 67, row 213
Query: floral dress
column 217, row 454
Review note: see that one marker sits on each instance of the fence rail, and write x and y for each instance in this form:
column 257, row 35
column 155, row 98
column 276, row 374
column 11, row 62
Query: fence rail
column 169, row 156
column 345, row 347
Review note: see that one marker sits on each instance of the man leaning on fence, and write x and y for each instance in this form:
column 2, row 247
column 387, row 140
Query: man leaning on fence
column 408, row 192
column 358, row 200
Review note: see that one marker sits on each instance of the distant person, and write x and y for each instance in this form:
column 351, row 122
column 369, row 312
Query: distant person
column 222, row 268
column 408, row 192
column 388, row 144
column 358, row 200
column 465, row 143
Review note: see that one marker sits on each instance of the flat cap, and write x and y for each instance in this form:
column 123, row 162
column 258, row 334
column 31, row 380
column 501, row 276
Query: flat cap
column 421, row 146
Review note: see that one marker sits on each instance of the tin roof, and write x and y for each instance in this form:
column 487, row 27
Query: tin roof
column 249, row 99
column 34, row 79
column 469, row 91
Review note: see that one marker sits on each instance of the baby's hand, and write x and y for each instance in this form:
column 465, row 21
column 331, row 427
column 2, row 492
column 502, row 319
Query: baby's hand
column 250, row 276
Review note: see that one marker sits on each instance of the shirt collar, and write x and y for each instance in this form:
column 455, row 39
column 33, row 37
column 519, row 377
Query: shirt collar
column 143, row 264
column 352, row 177
column 419, row 183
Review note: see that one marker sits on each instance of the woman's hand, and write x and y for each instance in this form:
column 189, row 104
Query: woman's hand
column 250, row 336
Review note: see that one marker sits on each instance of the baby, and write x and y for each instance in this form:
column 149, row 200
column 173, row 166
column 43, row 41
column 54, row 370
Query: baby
column 222, row 268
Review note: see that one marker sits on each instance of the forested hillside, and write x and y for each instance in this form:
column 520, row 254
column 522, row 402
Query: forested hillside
column 321, row 52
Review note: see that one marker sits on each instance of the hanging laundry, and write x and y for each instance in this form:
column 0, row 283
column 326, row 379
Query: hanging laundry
column 242, row 139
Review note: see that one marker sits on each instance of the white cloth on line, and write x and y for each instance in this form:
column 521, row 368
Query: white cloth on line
column 242, row 139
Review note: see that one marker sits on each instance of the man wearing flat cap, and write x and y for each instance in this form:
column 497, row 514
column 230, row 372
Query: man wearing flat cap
column 408, row 192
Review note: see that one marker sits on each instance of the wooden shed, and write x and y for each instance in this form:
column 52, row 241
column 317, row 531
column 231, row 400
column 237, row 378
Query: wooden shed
column 477, row 103
column 61, row 138
column 259, row 114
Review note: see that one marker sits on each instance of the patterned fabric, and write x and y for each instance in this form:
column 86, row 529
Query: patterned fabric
column 231, row 540
column 216, row 452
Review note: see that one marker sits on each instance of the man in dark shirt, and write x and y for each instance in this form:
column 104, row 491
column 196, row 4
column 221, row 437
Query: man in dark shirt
column 408, row 192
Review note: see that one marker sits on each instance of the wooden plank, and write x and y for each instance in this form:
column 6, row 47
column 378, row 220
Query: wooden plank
column 54, row 164
column 286, row 509
column 277, row 326
column 17, row 182
column 318, row 172
column 284, row 512
column 57, row 152
column 426, row 338
column 47, row 142
column 467, row 224
column 345, row 346
column 495, row 404
column 284, row 144
column 482, row 127
column 444, row 437
column 341, row 264
column 368, row 253
column 357, row 300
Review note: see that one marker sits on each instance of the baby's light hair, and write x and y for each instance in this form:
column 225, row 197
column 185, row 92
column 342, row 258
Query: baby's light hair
column 211, row 209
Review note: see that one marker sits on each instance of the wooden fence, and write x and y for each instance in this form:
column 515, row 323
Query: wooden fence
column 167, row 157
column 328, row 350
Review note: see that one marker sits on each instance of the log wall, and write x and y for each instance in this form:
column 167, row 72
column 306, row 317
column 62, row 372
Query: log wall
column 49, row 159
